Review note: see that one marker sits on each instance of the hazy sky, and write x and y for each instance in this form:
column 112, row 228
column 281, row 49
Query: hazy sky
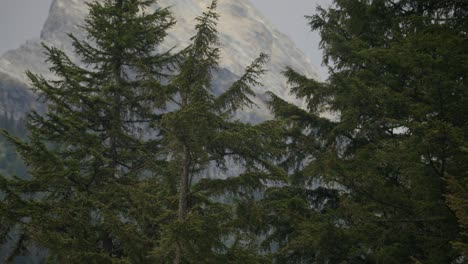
column 21, row 20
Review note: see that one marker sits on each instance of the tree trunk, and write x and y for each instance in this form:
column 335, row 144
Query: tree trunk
column 183, row 194
column 107, row 244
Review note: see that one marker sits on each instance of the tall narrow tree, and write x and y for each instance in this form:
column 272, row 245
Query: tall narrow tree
column 201, row 133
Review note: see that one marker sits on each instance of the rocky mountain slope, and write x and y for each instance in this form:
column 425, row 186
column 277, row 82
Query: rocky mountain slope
column 244, row 34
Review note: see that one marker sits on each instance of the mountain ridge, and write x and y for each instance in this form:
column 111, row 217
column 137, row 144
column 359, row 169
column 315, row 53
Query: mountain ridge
column 244, row 34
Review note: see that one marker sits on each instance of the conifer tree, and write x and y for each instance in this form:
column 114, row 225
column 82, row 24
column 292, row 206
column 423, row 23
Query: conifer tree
column 205, row 225
column 88, row 199
column 101, row 191
column 398, row 89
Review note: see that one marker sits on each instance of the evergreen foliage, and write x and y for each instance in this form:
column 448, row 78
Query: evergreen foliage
column 89, row 156
column 205, row 217
column 118, row 176
column 399, row 93
column 120, row 163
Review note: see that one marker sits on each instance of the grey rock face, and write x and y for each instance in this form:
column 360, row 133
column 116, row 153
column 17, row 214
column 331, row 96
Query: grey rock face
column 243, row 32
column 13, row 97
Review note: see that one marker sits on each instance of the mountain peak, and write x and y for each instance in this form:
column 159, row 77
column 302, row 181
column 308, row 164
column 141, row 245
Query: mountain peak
column 244, row 33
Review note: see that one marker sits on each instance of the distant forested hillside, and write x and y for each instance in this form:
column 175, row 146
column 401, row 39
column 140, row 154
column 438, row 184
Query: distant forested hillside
column 10, row 162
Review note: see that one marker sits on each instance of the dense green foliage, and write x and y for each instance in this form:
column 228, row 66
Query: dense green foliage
column 121, row 164
column 119, row 161
column 399, row 93
column 202, row 134
column 88, row 153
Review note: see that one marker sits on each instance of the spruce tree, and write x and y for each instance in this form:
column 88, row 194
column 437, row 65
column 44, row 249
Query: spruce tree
column 395, row 150
column 207, row 215
column 90, row 161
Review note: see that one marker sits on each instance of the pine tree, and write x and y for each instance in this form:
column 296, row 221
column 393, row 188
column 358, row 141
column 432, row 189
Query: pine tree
column 398, row 88
column 89, row 198
column 206, row 215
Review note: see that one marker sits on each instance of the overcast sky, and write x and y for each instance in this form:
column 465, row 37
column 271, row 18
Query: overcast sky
column 21, row 20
